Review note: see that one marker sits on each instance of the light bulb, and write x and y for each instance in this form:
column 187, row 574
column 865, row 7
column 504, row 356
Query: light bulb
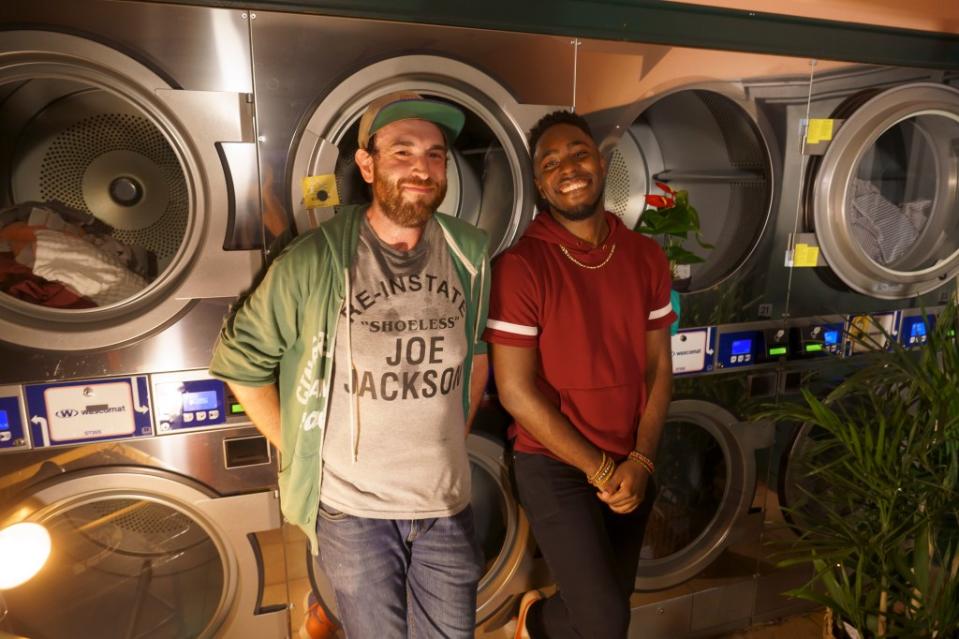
column 24, row 548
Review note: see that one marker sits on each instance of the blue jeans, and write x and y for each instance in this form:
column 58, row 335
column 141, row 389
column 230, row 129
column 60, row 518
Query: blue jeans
column 398, row 578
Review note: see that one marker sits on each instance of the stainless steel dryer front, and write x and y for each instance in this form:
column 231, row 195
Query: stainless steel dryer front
column 315, row 75
column 128, row 198
column 875, row 229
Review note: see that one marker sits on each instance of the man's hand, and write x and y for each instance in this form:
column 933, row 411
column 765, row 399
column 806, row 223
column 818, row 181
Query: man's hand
column 625, row 489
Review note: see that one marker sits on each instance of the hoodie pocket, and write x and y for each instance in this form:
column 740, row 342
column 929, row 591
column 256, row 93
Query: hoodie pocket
column 606, row 416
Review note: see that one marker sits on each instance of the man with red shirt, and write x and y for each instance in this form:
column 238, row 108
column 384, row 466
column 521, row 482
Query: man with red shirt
column 579, row 326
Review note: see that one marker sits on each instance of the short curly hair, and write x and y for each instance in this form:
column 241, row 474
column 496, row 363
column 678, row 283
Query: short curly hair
column 552, row 119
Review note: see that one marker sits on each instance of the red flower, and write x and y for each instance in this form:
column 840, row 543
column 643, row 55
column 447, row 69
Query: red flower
column 665, row 187
column 660, row 201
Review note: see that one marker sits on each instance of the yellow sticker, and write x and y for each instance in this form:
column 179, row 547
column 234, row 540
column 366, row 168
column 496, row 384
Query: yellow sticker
column 819, row 130
column 805, row 255
column 320, row 191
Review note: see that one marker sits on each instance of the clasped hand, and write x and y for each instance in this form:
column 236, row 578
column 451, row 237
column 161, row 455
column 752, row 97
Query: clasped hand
column 624, row 491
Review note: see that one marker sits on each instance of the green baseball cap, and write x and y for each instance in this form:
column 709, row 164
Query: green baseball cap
column 409, row 105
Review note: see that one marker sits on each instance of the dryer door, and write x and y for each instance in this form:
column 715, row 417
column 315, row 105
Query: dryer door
column 885, row 197
column 118, row 194
column 489, row 182
column 144, row 554
column 710, row 143
column 705, row 480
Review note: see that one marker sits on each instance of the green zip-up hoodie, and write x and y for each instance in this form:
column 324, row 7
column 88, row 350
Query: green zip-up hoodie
column 285, row 333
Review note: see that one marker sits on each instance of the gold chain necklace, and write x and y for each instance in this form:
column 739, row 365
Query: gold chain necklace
column 612, row 249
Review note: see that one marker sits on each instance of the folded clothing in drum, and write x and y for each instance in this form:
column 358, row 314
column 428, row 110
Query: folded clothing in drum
column 62, row 247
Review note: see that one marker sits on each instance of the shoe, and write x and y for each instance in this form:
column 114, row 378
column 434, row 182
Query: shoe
column 316, row 623
column 525, row 604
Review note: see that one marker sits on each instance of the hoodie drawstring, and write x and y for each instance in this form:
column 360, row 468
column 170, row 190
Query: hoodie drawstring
column 354, row 399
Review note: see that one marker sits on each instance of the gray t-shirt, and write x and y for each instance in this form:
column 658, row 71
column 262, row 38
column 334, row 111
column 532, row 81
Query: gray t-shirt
column 408, row 354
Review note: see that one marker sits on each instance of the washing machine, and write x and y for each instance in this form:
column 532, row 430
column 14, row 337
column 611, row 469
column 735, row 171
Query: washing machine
column 503, row 535
column 153, row 488
column 129, row 208
column 315, row 75
column 707, row 122
column 875, row 226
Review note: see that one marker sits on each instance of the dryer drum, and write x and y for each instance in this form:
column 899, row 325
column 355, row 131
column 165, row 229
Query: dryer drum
column 883, row 200
column 489, row 183
column 711, row 145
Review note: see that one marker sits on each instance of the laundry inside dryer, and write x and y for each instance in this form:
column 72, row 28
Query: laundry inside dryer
column 99, row 203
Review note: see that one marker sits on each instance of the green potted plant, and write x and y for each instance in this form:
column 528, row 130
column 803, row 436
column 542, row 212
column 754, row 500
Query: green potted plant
column 883, row 458
column 672, row 217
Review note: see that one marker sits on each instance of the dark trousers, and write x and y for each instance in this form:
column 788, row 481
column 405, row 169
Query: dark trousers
column 591, row 551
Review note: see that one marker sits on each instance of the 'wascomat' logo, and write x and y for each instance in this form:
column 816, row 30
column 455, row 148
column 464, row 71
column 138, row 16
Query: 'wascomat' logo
column 95, row 409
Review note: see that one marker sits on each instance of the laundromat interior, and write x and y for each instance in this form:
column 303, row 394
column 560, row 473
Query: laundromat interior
column 161, row 150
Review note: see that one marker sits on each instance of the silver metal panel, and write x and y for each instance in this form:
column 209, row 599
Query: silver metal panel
column 186, row 344
column 717, row 608
column 171, row 39
column 665, row 619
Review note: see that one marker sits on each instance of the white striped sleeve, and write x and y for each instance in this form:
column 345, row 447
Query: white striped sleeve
column 510, row 327
column 661, row 312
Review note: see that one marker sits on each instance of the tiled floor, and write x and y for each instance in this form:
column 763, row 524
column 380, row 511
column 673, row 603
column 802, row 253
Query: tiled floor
column 286, row 580
column 808, row 626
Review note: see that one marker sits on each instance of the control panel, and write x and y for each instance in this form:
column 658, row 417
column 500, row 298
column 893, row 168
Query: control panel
column 819, row 339
column 192, row 400
column 915, row 328
column 114, row 408
column 741, row 348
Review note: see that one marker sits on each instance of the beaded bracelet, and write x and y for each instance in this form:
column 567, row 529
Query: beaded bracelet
column 603, row 473
column 643, row 461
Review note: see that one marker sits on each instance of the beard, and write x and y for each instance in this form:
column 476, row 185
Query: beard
column 401, row 211
column 578, row 212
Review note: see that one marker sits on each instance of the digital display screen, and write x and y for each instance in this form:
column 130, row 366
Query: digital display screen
column 4, row 420
column 742, row 346
column 777, row 350
column 831, row 338
column 205, row 400
column 236, row 408
column 813, row 348
column 918, row 330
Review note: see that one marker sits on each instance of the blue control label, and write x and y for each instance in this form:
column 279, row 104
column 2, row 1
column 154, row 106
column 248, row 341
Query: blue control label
column 915, row 329
column 79, row 412
column 189, row 404
column 740, row 349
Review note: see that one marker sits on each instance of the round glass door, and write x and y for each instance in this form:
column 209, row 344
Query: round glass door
column 886, row 193
column 489, row 182
column 712, row 146
column 122, row 567
column 705, row 479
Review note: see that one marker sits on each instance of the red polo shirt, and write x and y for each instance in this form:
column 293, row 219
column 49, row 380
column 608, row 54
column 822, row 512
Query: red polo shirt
column 589, row 324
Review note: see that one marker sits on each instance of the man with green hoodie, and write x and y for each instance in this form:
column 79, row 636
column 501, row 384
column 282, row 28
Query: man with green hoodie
column 359, row 357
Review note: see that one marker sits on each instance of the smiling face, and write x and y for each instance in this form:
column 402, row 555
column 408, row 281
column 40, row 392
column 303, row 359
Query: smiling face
column 569, row 171
column 407, row 170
